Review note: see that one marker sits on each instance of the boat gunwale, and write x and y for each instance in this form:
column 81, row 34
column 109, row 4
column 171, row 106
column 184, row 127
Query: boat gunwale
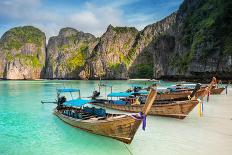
column 154, row 104
column 121, row 116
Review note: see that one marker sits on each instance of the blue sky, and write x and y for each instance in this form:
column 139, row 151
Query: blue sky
column 91, row 16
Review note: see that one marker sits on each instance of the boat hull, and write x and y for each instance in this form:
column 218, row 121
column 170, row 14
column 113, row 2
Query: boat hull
column 179, row 95
column 217, row 91
column 178, row 109
column 173, row 95
column 121, row 128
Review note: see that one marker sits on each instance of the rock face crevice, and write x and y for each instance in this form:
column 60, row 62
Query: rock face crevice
column 193, row 42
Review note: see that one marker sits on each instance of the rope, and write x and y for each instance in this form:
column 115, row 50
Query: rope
column 128, row 149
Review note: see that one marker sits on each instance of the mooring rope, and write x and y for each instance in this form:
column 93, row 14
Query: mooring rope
column 128, row 149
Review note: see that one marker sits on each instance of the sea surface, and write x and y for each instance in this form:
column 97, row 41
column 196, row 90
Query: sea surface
column 28, row 127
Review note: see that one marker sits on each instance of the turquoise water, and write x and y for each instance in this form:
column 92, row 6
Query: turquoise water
column 29, row 127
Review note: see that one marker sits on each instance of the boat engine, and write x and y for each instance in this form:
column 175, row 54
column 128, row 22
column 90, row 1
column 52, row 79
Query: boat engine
column 60, row 102
column 95, row 94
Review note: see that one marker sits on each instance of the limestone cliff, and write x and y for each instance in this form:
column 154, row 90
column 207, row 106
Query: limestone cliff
column 22, row 53
column 113, row 54
column 203, row 39
column 193, row 42
column 67, row 54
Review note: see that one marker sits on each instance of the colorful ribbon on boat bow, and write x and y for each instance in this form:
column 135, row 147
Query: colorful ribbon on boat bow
column 142, row 117
column 201, row 106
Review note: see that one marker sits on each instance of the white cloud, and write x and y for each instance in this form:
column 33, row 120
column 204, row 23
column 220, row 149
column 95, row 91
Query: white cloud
column 18, row 8
column 92, row 17
column 95, row 19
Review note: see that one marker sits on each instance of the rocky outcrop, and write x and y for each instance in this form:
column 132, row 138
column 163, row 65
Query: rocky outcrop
column 194, row 42
column 202, row 40
column 124, row 52
column 22, row 53
column 67, row 54
column 145, row 62
column 112, row 55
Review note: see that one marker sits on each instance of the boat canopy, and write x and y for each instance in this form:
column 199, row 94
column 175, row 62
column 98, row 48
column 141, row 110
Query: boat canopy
column 126, row 94
column 120, row 94
column 77, row 102
column 144, row 92
column 67, row 90
column 186, row 85
column 162, row 89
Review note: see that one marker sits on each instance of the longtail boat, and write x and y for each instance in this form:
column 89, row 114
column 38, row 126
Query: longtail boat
column 217, row 90
column 185, row 90
column 214, row 89
column 175, row 109
column 174, row 93
column 121, row 127
column 167, row 108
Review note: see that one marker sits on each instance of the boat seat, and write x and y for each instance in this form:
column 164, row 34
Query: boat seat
column 89, row 110
column 100, row 112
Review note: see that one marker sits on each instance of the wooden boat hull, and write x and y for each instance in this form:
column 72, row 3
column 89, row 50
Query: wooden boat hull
column 178, row 95
column 217, row 90
column 122, row 128
column 178, row 109
column 173, row 95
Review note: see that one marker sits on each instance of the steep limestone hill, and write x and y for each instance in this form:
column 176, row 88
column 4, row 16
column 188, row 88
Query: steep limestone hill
column 67, row 54
column 22, row 53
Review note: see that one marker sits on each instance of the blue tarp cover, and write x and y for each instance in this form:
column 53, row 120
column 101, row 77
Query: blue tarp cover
column 126, row 94
column 119, row 102
column 76, row 102
column 142, row 92
column 120, row 94
column 67, row 90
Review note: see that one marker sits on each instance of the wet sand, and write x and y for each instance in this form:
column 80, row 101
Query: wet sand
column 195, row 135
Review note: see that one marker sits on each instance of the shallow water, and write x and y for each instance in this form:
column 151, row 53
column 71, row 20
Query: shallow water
column 29, row 127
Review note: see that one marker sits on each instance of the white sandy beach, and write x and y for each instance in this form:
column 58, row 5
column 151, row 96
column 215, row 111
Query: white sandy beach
column 210, row 134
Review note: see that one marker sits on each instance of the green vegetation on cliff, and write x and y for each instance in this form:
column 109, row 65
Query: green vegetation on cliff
column 143, row 71
column 78, row 58
column 114, row 67
column 207, row 26
column 17, row 37
column 29, row 60
column 132, row 30
column 13, row 46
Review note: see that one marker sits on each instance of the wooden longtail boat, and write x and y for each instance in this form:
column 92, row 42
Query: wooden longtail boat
column 121, row 127
column 183, row 95
column 180, row 94
column 216, row 90
column 175, row 109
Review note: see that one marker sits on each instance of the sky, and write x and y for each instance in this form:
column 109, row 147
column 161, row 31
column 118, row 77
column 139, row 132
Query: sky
column 92, row 16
